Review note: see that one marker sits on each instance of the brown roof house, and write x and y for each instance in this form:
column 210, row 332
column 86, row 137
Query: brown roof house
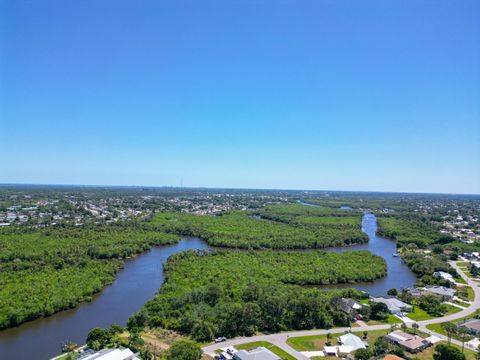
column 411, row 343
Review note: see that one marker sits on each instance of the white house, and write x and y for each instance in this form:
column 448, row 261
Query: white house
column 351, row 343
column 444, row 275
column 259, row 353
column 112, row 354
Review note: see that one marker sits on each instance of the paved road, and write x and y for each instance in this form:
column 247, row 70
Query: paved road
column 280, row 339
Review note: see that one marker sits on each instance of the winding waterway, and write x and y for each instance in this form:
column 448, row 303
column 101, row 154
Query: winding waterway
column 398, row 274
column 139, row 280
column 136, row 283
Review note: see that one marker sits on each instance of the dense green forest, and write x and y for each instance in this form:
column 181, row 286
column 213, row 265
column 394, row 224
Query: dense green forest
column 276, row 227
column 363, row 201
column 44, row 271
column 406, row 229
column 230, row 293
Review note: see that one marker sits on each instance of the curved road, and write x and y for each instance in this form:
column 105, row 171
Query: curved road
column 280, row 339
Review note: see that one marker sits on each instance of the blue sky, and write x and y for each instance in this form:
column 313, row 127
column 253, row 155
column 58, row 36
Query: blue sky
column 340, row 95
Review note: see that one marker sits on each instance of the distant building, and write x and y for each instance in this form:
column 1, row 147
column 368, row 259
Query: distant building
column 411, row 343
column 475, row 264
column 444, row 275
column 394, row 305
column 11, row 216
column 260, row 353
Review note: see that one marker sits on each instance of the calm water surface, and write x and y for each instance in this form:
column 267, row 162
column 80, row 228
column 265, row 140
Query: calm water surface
column 139, row 280
column 398, row 274
column 136, row 283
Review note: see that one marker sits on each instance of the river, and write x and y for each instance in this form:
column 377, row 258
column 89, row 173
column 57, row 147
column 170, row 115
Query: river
column 398, row 274
column 139, row 280
column 135, row 284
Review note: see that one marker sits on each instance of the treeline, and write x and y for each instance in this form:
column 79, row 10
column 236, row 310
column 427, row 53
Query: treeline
column 408, row 228
column 334, row 226
column 277, row 227
column 363, row 201
column 425, row 265
column 230, row 293
column 45, row 271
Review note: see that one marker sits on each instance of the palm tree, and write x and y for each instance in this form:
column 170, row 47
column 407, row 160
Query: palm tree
column 464, row 335
column 415, row 328
column 329, row 339
column 450, row 329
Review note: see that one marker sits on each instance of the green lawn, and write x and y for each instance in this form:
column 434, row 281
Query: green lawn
column 438, row 327
column 471, row 294
column 428, row 353
column 418, row 314
column 317, row 342
column 461, row 303
column 310, row 343
column 460, row 280
column 452, row 310
column 462, row 263
column 392, row 319
column 275, row 349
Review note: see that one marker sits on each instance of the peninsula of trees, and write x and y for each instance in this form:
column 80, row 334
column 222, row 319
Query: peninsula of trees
column 231, row 293
column 276, row 227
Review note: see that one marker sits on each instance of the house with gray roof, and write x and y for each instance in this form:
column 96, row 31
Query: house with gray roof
column 349, row 306
column 259, row 353
column 394, row 305
column 473, row 325
column 441, row 291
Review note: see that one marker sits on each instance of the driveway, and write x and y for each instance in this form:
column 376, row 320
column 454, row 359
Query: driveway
column 280, row 339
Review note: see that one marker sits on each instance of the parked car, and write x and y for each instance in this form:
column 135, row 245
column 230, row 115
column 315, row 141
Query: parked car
column 220, row 339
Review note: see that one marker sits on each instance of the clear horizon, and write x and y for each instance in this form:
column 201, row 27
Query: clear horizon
column 228, row 188
column 352, row 96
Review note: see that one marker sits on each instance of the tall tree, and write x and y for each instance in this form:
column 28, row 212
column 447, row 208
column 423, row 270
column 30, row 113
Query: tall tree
column 184, row 350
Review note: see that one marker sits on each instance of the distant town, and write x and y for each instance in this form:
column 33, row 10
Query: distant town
column 387, row 275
